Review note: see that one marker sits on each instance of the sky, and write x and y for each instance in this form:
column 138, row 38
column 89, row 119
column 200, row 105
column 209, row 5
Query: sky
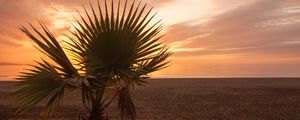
column 209, row 38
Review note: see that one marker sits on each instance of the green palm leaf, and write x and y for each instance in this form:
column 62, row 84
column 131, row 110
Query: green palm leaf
column 114, row 52
column 41, row 82
column 44, row 80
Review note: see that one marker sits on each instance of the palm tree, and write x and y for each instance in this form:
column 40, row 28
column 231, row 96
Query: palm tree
column 106, row 55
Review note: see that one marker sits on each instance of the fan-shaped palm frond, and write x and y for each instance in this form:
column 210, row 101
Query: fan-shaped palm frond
column 118, row 43
column 115, row 49
column 45, row 80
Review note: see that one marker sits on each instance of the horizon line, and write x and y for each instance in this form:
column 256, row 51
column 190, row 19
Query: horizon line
column 252, row 77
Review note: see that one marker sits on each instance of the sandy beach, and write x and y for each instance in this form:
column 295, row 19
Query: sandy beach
column 193, row 99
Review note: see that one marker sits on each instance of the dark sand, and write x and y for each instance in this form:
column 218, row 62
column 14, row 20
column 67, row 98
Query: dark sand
column 194, row 99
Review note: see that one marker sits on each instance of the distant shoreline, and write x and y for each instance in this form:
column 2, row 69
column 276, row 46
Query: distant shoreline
column 207, row 78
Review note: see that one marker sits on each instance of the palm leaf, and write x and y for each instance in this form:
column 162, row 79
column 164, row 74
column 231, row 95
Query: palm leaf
column 41, row 82
column 123, row 45
column 44, row 80
column 114, row 52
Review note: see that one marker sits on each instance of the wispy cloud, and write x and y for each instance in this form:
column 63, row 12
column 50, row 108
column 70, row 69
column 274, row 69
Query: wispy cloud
column 294, row 42
column 261, row 33
column 244, row 28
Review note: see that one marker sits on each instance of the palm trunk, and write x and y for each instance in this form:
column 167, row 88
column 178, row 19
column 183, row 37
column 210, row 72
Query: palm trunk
column 98, row 114
column 98, row 111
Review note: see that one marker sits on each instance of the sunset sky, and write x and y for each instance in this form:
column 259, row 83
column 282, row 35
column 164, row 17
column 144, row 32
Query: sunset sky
column 209, row 38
